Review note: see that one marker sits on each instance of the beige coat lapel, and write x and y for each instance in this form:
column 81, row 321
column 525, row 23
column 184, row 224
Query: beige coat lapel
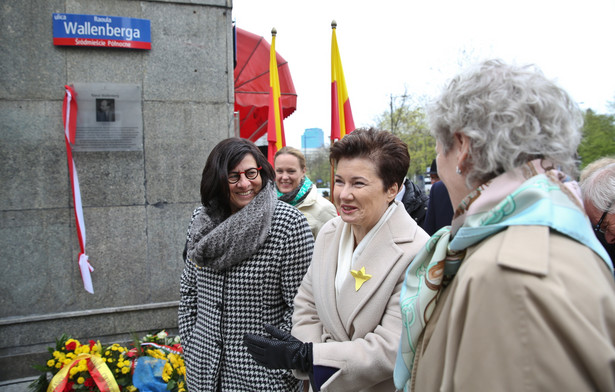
column 324, row 265
column 378, row 259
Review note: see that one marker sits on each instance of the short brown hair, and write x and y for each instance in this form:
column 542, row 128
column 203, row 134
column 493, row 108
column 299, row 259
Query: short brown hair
column 388, row 152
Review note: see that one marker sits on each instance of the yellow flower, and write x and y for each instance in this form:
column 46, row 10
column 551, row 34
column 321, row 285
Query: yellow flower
column 73, row 371
column 360, row 277
column 51, row 363
column 166, row 372
column 58, row 365
column 69, row 341
column 97, row 347
column 156, row 354
column 174, row 358
column 125, row 370
column 80, row 380
column 131, row 388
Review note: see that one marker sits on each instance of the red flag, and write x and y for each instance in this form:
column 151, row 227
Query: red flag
column 341, row 114
column 275, row 124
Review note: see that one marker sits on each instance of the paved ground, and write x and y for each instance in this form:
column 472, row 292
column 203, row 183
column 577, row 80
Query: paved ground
column 20, row 385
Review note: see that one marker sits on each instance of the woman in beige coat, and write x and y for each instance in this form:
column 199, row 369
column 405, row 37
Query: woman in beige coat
column 518, row 295
column 346, row 322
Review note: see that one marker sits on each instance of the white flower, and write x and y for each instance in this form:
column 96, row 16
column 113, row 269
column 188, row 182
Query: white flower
column 162, row 335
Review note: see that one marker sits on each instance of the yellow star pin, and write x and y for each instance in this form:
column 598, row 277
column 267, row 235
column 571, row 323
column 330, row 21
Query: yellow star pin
column 360, row 277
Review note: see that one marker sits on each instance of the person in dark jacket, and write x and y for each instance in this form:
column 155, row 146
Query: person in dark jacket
column 415, row 201
column 245, row 256
column 439, row 210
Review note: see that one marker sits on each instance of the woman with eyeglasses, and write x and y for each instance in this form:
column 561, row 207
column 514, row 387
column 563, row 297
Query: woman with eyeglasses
column 245, row 255
column 518, row 294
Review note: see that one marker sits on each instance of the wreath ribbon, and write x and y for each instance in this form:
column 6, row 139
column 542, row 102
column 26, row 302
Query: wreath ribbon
column 98, row 369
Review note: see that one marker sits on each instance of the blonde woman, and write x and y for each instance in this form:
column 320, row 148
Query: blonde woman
column 296, row 189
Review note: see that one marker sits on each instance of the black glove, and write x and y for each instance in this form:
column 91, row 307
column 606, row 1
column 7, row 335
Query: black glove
column 282, row 352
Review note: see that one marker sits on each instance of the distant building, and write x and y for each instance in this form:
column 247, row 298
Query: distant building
column 311, row 140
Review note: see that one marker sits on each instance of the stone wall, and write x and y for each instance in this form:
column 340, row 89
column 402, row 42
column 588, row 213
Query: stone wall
column 136, row 204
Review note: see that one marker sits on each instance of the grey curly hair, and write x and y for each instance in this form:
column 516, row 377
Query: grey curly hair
column 511, row 115
column 599, row 188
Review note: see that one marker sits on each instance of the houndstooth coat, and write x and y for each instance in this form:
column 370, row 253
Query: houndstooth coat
column 218, row 307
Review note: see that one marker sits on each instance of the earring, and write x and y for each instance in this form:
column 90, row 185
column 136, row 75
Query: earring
column 457, row 170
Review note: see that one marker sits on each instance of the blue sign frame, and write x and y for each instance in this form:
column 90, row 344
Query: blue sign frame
column 101, row 31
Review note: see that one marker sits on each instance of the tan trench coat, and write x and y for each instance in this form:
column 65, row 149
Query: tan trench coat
column 360, row 336
column 529, row 310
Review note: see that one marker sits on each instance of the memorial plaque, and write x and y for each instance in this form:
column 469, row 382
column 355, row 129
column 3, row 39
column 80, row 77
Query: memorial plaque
column 109, row 117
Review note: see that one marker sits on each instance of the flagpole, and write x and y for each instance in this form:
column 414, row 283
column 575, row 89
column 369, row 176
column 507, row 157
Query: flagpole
column 332, row 183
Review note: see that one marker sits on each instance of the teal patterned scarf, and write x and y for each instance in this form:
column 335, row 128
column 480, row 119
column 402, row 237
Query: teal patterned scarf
column 297, row 195
column 528, row 195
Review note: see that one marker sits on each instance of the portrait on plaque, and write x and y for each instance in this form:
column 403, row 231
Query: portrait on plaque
column 105, row 109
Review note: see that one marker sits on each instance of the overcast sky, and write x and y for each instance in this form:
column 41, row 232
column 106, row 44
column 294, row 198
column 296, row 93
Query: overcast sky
column 391, row 46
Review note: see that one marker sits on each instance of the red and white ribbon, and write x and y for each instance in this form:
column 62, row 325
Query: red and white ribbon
column 69, row 114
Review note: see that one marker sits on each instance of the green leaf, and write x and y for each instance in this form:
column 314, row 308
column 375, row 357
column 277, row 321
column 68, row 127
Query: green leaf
column 40, row 384
column 42, row 368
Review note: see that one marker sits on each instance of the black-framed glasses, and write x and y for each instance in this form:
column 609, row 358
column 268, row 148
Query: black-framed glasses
column 251, row 174
column 598, row 226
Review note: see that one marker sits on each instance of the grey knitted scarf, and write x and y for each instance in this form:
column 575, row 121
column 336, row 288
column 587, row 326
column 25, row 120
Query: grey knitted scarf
column 221, row 243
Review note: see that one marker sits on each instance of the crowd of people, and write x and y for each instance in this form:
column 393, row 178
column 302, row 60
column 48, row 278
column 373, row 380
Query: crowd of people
column 500, row 279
